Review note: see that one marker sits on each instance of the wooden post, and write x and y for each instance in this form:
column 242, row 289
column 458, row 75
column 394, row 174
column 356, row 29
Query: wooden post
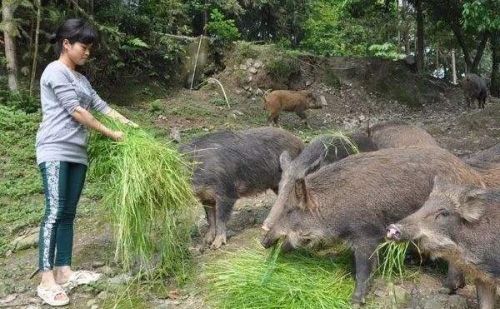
column 453, row 67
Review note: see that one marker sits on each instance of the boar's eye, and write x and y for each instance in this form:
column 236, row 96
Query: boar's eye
column 442, row 213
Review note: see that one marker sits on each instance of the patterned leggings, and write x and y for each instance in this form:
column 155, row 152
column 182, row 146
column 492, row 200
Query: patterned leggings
column 62, row 183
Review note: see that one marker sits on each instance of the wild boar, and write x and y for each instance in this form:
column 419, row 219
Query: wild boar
column 355, row 198
column 474, row 88
column 459, row 224
column 395, row 134
column 326, row 149
column 487, row 163
column 230, row 165
column 289, row 101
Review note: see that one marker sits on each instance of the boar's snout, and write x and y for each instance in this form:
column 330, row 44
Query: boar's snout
column 393, row 232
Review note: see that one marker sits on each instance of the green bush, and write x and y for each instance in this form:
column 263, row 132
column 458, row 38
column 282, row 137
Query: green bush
column 20, row 100
column 283, row 67
column 224, row 30
column 386, row 50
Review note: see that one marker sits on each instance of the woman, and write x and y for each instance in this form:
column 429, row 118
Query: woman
column 61, row 153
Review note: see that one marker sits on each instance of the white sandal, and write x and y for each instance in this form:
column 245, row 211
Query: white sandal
column 49, row 295
column 80, row 277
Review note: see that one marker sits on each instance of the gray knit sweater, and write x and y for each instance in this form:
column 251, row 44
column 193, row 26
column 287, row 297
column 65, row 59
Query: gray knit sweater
column 60, row 137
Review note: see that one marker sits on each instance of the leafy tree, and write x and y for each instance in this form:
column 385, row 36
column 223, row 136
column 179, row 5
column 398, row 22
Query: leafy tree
column 483, row 16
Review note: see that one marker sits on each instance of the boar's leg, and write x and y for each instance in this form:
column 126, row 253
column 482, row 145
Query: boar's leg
column 365, row 261
column 223, row 208
column 485, row 294
column 273, row 118
column 210, row 213
column 455, row 279
column 302, row 115
column 482, row 102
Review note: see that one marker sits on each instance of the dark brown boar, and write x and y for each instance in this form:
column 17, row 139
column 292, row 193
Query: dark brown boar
column 289, row 101
column 460, row 224
column 475, row 88
column 230, row 165
column 355, row 198
column 395, row 134
column 487, row 163
column 326, row 149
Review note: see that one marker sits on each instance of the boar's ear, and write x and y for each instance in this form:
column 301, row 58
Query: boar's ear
column 300, row 193
column 285, row 160
column 314, row 166
column 440, row 183
column 471, row 205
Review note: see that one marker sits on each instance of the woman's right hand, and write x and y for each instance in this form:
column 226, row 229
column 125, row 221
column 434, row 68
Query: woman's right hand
column 117, row 135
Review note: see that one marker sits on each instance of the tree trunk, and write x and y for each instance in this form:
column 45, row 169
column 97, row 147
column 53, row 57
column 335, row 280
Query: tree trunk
column 35, row 53
column 420, row 36
column 10, row 47
column 495, row 67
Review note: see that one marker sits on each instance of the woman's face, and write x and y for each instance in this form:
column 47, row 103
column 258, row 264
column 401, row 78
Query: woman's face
column 77, row 52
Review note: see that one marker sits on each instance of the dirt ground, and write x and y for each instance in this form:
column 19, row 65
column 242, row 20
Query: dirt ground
column 350, row 107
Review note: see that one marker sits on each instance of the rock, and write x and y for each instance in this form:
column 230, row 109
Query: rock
column 107, row 270
column 252, row 70
column 8, row 299
column 457, row 302
column 258, row 64
column 323, row 100
column 120, row 279
column 94, row 307
column 249, row 62
column 247, row 88
column 25, row 242
column 439, row 301
column 98, row 264
column 175, row 134
column 91, row 302
column 259, row 92
column 103, row 295
column 308, row 83
column 243, row 67
column 400, row 295
column 249, row 78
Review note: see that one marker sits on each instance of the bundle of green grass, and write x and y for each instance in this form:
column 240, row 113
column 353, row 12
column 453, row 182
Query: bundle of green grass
column 147, row 189
column 253, row 278
column 250, row 278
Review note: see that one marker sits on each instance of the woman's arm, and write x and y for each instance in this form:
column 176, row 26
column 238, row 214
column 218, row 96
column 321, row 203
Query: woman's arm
column 84, row 117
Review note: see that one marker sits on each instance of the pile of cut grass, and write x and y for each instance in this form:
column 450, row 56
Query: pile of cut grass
column 148, row 192
column 249, row 279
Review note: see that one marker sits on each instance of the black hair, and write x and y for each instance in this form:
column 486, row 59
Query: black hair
column 74, row 30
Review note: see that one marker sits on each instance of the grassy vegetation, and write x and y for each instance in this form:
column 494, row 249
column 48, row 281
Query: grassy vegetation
column 251, row 279
column 150, row 198
column 20, row 184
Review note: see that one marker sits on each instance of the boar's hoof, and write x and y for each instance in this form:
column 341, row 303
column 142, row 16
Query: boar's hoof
column 454, row 282
column 218, row 242
column 358, row 299
column 209, row 237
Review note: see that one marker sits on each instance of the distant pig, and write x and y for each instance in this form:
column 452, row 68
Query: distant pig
column 289, row 101
column 230, row 165
column 354, row 199
column 475, row 88
column 326, row 149
column 459, row 224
